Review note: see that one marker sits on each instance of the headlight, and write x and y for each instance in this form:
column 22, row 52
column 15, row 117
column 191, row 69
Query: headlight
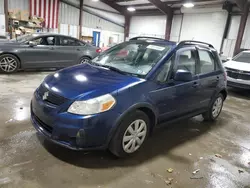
column 93, row 106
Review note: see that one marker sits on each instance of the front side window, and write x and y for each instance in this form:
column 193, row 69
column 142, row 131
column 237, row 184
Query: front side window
column 242, row 57
column 186, row 61
column 207, row 62
column 136, row 57
column 47, row 41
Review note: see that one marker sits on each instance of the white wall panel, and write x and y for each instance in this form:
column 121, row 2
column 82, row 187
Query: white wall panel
column 18, row 4
column 68, row 14
column 207, row 27
column 176, row 28
column 246, row 37
column 148, row 26
column 2, row 24
column 64, row 29
column 92, row 21
column 1, row 6
column 73, row 31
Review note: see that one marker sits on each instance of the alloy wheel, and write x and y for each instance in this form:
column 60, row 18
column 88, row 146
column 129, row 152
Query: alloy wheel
column 8, row 64
column 84, row 60
column 217, row 107
column 134, row 136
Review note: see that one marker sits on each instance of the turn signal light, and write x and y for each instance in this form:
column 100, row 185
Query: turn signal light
column 99, row 50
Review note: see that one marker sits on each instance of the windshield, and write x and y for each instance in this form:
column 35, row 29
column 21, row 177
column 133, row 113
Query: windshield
column 22, row 38
column 243, row 57
column 134, row 57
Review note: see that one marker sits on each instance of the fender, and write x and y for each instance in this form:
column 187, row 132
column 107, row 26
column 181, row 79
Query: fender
column 124, row 114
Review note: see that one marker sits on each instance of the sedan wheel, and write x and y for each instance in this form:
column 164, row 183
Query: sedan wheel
column 8, row 64
column 84, row 60
column 134, row 136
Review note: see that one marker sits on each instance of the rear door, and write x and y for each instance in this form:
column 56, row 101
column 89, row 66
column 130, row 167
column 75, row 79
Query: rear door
column 209, row 75
column 70, row 49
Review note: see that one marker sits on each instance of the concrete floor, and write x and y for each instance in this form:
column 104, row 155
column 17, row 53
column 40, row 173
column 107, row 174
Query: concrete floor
column 27, row 160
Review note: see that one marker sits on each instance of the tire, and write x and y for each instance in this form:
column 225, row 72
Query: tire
column 9, row 63
column 214, row 109
column 84, row 60
column 121, row 145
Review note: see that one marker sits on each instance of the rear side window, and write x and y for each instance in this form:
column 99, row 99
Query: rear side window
column 207, row 62
column 64, row 41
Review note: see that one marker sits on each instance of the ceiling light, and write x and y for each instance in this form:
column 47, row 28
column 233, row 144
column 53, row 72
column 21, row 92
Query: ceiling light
column 131, row 9
column 95, row 0
column 188, row 5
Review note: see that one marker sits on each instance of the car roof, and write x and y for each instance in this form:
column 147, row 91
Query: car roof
column 49, row 34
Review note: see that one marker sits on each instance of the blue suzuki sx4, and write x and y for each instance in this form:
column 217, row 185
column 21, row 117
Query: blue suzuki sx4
column 116, row 100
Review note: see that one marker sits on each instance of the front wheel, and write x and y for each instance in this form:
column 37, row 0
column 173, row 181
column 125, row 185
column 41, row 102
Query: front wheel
column 131, row 134
column 9, row 63
column 214, row 109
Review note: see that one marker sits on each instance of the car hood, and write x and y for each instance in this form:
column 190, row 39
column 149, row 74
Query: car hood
column 87, row 81
column 237, row 65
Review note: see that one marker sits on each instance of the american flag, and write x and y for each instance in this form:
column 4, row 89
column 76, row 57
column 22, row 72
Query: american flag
column 47, row 9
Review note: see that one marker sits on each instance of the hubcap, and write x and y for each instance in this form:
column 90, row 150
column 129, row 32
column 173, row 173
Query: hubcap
column 134, row 136
column 83, row 61
column 8, row 64
column 217, row 107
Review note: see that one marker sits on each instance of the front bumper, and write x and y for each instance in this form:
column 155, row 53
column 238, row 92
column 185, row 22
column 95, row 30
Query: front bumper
column 72, row 131
column 238, row 83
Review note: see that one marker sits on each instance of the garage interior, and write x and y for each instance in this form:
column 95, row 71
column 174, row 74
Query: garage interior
column 217, row 153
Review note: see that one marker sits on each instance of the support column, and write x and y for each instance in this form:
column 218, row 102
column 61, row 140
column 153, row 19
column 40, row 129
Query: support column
column 80, row 19
column 6, row 15
column 169, row 25
column 243, row 21
column 127, row 26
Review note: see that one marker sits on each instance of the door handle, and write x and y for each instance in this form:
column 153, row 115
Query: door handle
column 217, row 78
column 78, row 49
column 196, row 84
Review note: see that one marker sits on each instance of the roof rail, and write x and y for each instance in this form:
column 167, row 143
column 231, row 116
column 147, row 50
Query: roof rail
column 154, row 38
column 194, row 42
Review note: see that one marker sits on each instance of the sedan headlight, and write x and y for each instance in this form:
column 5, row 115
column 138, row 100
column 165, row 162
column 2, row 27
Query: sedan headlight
column 93, row 106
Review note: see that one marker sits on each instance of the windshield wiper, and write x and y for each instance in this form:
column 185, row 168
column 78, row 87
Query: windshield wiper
column 113, row 69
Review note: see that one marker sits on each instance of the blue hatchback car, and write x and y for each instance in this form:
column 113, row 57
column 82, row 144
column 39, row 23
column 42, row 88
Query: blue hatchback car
column 115, row 101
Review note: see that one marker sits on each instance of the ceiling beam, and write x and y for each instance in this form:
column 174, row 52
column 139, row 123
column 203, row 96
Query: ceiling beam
column 163, row 7
column 115, row 6
column 241, row 3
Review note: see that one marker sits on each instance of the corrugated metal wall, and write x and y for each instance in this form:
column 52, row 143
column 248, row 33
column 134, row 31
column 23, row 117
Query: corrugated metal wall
column 1, row 6
column 93, row 21
column 68, row 14
column 18, row 4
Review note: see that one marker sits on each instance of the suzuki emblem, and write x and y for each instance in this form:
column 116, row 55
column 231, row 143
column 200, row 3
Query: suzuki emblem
column 45, row 95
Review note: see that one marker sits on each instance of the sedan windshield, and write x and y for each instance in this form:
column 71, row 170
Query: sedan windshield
column 134, row 57
column 242, row 57
column 22, row 38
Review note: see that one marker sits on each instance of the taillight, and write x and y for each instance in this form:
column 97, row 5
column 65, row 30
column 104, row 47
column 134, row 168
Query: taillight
column 99, row 50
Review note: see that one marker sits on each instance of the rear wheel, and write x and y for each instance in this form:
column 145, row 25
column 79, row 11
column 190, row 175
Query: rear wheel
column 131, row 134
column 84, row 60
column 9, row 63
column 214, row 109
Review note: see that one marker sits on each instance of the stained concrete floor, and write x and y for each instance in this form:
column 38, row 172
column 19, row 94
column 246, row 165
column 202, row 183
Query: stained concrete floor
column 27, row 160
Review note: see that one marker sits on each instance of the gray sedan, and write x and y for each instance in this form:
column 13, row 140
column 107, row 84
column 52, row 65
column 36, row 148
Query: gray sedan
column 44, row 51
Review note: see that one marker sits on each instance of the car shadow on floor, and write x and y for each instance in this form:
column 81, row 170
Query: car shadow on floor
column 160, row 143
column 239, row 93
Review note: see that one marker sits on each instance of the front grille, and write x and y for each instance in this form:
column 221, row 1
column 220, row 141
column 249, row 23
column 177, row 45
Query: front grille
column 51, row 97
column 237, row 74
column 46, row 127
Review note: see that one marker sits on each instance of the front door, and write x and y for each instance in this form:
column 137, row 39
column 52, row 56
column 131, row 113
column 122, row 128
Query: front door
column 208, row 75
column 96, row 38
column 43, row 55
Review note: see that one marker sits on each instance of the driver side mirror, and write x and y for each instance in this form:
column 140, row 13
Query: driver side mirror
column 183, row 76
column 32, row 44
